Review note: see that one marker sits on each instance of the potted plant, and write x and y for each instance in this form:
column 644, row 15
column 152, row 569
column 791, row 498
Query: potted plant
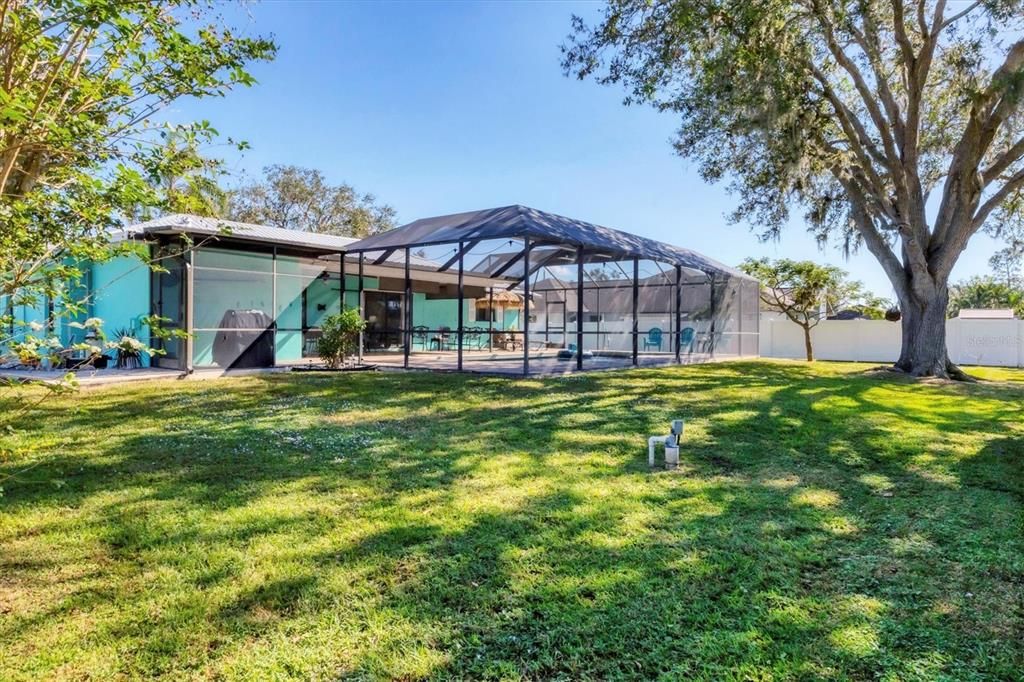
column 339, row 335
column 128, row 350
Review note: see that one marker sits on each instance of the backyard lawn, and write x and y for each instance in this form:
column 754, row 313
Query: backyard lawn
column 826, row 523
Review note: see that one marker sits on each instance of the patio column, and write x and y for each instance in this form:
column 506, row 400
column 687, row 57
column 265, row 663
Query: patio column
column 679, row 314
column 526, row 307
column 190, row 306
column 362, row 313
column 341, row 273
column 636, row 305
column 407, row 317
column 461, row 301
column 711, row 329
column 579, row 308
column 490, row 319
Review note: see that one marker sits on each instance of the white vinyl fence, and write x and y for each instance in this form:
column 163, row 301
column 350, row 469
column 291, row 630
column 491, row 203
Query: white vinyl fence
column 996, row 343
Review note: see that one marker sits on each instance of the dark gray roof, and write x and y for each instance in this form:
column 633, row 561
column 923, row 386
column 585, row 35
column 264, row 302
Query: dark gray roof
column 521, row 222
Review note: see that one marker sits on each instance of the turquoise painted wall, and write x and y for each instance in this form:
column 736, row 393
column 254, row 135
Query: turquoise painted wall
column 440, row 312
column 511, row 319
column 121, row 295
column 120, row 289
column 24, row 315
column 219, row 291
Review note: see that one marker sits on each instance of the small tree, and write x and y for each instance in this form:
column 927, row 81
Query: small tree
column 805, row 292
column 339, row 335
column 1008, row 262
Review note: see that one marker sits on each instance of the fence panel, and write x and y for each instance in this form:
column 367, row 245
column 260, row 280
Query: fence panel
column 995, row 343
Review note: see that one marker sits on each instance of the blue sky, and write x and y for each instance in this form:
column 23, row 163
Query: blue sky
column 444, row 107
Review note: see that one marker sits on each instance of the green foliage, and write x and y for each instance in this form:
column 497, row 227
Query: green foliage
column 807, row 292
column 339, row 336
column 985, row 292
column 79, row 150
column 825, row 524
column 83, row 81
column 1008, row 263
column 297, row 198
column 854, row 113
column 188, row 180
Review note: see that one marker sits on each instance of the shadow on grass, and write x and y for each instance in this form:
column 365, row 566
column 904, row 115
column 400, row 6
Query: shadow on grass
column 823, row 525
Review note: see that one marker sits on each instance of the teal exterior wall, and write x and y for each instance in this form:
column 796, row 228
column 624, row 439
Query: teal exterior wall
column 510, row 319
column 234, row 279
column 439, row 312
column 23, row 316
column 117, row 291
column 121, row 296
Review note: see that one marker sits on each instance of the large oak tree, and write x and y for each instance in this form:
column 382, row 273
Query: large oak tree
column 894, row 125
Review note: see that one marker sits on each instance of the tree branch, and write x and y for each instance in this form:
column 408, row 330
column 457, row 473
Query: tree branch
column 1005, row 160
column 867, row 97
column 959, row 15
column 1015, row 182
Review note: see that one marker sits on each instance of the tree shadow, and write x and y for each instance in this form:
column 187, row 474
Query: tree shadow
column 821, row 525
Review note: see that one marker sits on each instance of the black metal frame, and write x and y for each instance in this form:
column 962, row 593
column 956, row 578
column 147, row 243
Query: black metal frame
column 530, row 266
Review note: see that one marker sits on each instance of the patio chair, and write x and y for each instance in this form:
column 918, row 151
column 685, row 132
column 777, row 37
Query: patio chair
column 440, row 340
column 419, row 336
column 686, row 339
column 653, row 339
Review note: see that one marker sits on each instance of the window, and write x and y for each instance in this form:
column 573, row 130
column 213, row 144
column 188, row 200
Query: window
column 486, row 314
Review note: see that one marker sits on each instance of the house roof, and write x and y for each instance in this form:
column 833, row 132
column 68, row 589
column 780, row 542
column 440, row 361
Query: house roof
column 523, row 222
column 183, row 223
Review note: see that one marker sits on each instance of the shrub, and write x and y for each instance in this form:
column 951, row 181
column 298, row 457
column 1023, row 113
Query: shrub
column 339, row 336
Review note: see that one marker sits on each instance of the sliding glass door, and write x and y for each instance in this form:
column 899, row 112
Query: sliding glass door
column 383, row 315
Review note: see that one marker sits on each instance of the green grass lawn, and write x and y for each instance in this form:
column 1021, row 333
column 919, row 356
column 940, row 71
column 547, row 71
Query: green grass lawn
column 825, row 524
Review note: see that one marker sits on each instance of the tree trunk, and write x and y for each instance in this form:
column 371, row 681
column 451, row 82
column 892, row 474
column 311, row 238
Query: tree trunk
column 807, row 343
column 923, row 352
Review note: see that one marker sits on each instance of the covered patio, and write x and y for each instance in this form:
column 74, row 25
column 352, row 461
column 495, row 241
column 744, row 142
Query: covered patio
column 535, row 293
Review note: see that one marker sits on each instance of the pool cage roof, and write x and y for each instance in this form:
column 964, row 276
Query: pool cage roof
column 548, row 241
column 595, row 243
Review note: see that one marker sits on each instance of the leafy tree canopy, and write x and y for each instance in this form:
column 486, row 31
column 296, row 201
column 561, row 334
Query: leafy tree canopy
column 985, row 292
column 1008, row 262
column 892, row 124
column 297, row 198
column 80, row 83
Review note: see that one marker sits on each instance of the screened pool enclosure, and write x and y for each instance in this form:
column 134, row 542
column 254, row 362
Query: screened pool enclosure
column 528, row 292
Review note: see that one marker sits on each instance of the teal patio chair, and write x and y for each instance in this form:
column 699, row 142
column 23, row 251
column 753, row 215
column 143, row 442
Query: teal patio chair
column 686, row 339
column 653, row 339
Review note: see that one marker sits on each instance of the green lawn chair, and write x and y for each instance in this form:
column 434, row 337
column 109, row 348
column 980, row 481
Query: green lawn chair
column 686, row 339
column 653, row 339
